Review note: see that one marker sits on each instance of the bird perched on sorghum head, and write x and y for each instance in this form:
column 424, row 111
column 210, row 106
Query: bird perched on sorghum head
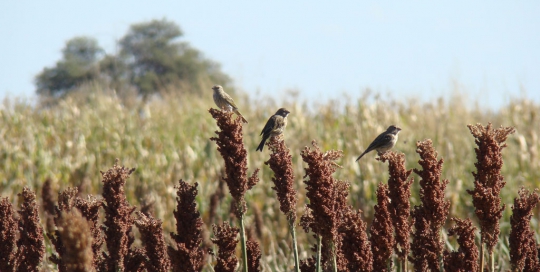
column 274, row 126
column 225, row 102
column 384, row 142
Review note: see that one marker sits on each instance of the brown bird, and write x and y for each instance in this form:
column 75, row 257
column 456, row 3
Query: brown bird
column 274, row 126
column 384, row 142
column 225, row 102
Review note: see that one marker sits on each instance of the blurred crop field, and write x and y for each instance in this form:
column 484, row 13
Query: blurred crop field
column 167, row 139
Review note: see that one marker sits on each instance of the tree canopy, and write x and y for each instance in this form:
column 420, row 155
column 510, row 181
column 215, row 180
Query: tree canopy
column 79, row 64
column 152, row 58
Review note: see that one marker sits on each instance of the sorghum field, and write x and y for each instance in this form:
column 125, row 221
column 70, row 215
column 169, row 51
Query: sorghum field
column 52, row 149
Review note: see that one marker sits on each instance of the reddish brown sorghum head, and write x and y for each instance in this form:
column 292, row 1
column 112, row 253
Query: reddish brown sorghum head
column 74, row 232
column 48, row 200
column 466, row 258
column 281, row 164
column 253, row 254
column 8, row 235
column 231, row 147
column 30, row 246
column 400, row 192
column 89, row 209
column 66, row 200
column 327, row 198
column 188, row 254
column 488, row 181
column 427, row 245
column 382, row 235
column 118, row 219
column 135, row 260
column 154, row 244
column 226, row 239
column 355, row 243
column 523, row 248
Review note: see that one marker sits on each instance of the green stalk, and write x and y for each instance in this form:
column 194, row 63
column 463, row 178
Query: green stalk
column 441, row 258
column 492, row 260
column 334, row 261
column 481, row 256
column 319, row 245
column 243, row 240
column 295, row 247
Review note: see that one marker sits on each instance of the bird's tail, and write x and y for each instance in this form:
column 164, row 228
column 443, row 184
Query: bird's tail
column 241, row 116
column 261, row 145
column 361, row 156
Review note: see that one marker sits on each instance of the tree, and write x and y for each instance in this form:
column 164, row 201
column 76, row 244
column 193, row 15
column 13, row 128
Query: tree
column 78, row 65
column 114, row 72
column 151, row 59
column 157, row 59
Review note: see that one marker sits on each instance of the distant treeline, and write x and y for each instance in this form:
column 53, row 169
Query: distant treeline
column 150, row 59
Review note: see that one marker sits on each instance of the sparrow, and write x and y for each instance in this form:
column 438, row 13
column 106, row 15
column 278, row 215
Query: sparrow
column 274, row 126
column 225, row 102
column 384, row 142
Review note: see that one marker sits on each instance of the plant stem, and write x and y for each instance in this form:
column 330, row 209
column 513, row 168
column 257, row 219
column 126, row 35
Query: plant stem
column 334, row 261
column 481, row 256
column 404, row 264
column 243, row 240
column 441, row 258
column 295, row 247
column 319, row 245
column 492, row 260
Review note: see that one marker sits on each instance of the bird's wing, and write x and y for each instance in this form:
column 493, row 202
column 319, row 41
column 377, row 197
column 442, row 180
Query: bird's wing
column 376, row 142
column 229, row 100
column 270, row 124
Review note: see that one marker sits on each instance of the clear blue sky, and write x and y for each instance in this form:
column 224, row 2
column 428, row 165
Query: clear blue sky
column 322, row 49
